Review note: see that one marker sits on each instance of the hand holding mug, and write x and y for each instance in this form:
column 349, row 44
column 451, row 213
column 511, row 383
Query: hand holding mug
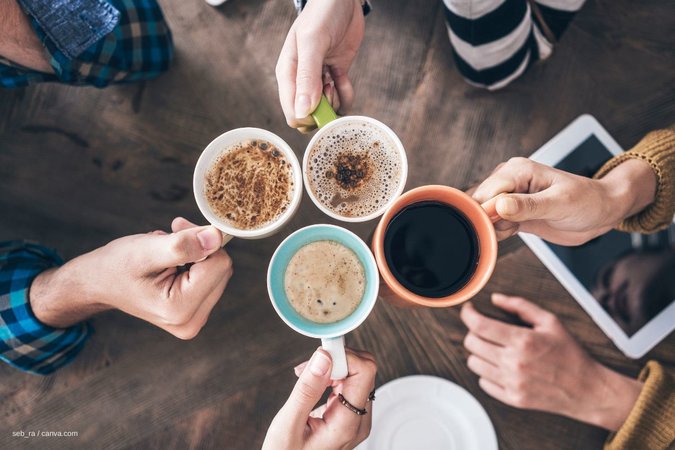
column 326, row 33
column 141, row 275
column 331, row 426
column 542, row 367
column 561, row 207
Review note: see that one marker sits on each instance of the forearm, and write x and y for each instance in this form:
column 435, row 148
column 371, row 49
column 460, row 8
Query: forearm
column 18, row 42
column 656, row 150
column 60, row 297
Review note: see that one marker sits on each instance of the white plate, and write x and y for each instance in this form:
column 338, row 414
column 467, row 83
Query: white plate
column 425, row 412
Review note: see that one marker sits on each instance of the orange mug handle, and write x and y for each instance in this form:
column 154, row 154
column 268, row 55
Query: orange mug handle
column 490, row 208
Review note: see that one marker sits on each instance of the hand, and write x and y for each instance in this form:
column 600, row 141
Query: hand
column 330, row 426
column 18, row 41
column 561, row 207
column 543, row 367
column 326, row 33
column 142, row 275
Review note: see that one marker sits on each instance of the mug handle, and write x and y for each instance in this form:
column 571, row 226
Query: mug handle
column 490, row 208
column 226, row 238
column 336, row 349
column 323, row 114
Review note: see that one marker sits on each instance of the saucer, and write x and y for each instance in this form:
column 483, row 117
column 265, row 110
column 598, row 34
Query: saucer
column 431, row 413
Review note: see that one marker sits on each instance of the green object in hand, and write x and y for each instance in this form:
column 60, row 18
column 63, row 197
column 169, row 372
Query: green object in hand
column 323, row 114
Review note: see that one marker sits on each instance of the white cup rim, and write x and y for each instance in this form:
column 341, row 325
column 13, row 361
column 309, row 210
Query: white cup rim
column 216, row 148
column 397, row 143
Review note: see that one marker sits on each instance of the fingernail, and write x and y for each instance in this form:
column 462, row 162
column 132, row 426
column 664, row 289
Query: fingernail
column 209, row 238
column 302, row 106
column 507, row 206
column 497, row 296
column 319, row 364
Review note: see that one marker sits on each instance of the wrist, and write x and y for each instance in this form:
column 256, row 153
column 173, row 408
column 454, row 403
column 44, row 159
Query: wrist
column 628, row 188
column 610, row 400
column 59, row 297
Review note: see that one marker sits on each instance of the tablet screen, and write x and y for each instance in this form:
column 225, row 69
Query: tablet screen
column 632, row 276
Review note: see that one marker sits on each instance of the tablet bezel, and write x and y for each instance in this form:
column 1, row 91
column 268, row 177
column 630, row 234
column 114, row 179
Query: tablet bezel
column 660, row 326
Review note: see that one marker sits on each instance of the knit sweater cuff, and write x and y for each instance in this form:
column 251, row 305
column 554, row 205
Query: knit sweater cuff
column 649, row 425
column 658, row 150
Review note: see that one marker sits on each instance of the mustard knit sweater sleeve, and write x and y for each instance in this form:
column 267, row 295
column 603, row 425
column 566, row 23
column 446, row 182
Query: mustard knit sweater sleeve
column 651, row 423
column 658, row 150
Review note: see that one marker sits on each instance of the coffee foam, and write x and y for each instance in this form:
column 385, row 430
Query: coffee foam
column 249, row 185
column 324, row 281
column 360, row 196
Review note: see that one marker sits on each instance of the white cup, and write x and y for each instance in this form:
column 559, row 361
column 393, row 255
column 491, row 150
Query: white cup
column 210, row 155
column 326, row 130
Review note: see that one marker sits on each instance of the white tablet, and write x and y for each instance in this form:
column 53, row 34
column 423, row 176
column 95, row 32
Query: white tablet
column 624, row 281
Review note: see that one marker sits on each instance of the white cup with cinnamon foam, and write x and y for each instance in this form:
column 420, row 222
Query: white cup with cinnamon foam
column 248, row 183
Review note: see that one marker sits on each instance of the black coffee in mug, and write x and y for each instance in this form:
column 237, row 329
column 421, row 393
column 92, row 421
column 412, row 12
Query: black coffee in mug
column 431, row 248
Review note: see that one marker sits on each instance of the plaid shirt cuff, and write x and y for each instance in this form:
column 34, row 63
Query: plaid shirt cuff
column 25, row 342
column 140, row 47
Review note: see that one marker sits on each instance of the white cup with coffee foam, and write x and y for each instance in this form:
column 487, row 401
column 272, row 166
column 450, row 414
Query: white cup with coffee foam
column 354, row 167
column 215, row 151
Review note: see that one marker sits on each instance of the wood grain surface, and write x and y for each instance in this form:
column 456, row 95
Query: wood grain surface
column 81, row 166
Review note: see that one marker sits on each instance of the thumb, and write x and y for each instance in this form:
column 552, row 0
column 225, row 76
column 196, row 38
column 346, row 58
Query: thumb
column 186, row 246
column 309, row 76
column 524, row 207
column 309, row 388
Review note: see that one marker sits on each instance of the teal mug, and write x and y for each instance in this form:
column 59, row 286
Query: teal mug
column 331, row 334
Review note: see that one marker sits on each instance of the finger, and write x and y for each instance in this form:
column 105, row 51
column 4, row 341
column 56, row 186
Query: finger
column 471, row 190
column 318, row 412
column 482, row 348
column 526, row 310
column 329, row 89
column 525, row 207
column 516, row 175
column 211, row 275
column 285, row 73
column 344, row 88
column 505, row 230
column 311, row 50
column 493, row 389
column 197, row 320
column 181, row 223
column 300, row 368
column 501, row 180
column 158, row 232
column 366, row 424
column 355, row 389
column 484, row 369
column 307, row 391
column 487, row 328
column 360, row 353
column 306, row 129
column 177, row 249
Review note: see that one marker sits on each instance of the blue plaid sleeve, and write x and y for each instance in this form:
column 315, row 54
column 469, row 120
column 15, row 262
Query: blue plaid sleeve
column 25, row 342
column 139, row 47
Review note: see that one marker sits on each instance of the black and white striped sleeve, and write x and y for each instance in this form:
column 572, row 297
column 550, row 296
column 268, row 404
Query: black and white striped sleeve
column 495, row 41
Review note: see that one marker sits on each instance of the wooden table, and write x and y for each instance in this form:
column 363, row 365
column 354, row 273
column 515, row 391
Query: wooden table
column 81, row 166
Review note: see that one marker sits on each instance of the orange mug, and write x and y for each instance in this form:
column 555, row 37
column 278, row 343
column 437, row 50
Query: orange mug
column 481, row 218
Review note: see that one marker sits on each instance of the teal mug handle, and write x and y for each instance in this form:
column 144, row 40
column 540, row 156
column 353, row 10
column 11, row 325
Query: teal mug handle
column 323, row 114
